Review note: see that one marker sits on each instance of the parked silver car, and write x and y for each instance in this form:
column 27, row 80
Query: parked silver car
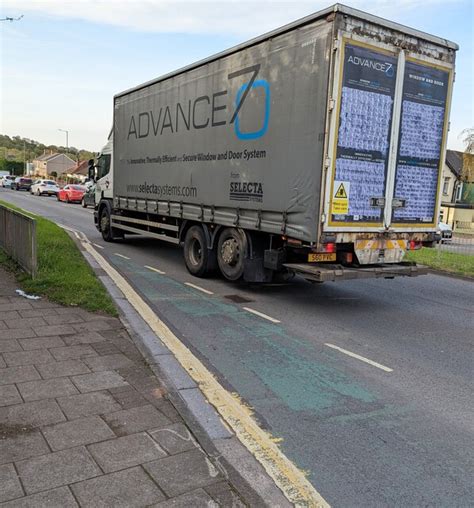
column 48, row 187
column 7, row 181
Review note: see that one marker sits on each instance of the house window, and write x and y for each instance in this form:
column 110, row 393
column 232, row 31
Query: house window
column 459, row 192
column 446, row 186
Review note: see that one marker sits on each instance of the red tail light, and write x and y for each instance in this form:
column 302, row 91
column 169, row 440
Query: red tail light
column 330, row 247
column 414, row 245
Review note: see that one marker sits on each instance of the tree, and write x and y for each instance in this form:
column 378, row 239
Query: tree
column 468, row 139
column 468, row 156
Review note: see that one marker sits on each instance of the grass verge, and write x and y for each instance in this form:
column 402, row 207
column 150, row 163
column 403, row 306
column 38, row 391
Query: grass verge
column 63, row 274
column 459, row 264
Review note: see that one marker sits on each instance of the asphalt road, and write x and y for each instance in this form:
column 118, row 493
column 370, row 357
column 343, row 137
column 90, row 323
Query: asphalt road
column 397, row 432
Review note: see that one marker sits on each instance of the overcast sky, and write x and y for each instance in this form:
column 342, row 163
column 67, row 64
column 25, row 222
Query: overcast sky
column 63, row 62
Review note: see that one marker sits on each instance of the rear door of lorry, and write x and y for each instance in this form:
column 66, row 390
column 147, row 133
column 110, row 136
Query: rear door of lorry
column 388, row 124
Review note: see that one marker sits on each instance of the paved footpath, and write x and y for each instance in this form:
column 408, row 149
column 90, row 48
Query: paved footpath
column 84, row 422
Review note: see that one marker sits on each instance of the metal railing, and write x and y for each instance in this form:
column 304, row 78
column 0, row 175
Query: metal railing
column 458, row 243
column 18, row 238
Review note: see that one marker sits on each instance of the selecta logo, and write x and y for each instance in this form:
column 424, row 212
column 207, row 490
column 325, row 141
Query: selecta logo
column 206, row 111
column 384, row 67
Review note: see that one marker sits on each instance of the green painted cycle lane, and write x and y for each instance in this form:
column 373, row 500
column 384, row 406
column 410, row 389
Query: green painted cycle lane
column 349, row 437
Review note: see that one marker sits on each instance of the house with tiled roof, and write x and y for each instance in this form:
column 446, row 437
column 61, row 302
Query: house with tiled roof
column 79, row 171
column 457, row 197
column 52, row 164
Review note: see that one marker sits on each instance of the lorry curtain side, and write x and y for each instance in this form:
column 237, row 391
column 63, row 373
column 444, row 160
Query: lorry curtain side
column 238, row 140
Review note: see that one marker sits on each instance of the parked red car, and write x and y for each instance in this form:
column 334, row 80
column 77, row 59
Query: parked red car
column 71, row 193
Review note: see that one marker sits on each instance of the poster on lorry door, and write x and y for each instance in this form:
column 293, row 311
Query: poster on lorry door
column 363, row 137
column 425, row 91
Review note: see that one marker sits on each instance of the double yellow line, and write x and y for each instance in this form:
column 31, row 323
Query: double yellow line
column 285, row 474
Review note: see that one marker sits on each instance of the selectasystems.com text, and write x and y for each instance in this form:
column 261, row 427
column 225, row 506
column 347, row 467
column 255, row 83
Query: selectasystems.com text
column 245, row 155
column 177, row 191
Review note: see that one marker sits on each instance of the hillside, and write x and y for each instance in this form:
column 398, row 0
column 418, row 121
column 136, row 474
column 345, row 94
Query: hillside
column 19, row 149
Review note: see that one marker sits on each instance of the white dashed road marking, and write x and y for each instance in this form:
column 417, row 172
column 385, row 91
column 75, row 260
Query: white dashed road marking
column 155, row 270
column 199, row 288
column 121, row 255
column 262, row 315
column 361, row 358
column 97, row 245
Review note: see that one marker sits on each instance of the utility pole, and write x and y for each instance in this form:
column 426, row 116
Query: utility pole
column 67, row 139
column 67, row 145
column 24, row 157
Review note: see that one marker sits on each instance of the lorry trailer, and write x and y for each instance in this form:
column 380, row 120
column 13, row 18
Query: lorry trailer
column 314, row 149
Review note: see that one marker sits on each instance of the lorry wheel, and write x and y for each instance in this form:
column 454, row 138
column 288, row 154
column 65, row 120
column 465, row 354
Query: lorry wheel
column 105, row 225
column 231, row 253
column 196, row 253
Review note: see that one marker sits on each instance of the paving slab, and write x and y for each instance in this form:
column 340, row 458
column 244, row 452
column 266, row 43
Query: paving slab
column 10, row 487
column 19, row 374
column 9, row 395
column 174, row 438
column 83, row 338
column 63, row 319
column 98, row 381
column 19, row 442
column 85, row 404
column 125, row 489
column 27, row 358
column 61, row 369
column 224, row 495
column 18, row 305
column 72, row 352
column 17, row 333
column 35, row 414
column 95, row 326
column 128, row 397
column 43, row 331
column 48, row 389
column 108, row 362
column 56, row 469
column 78, row 432
column 2, row 363
column 41, row 343
column 12, row 314
column 56, row 498
column 31, row 322
column 181, row 473
column 9, row 345
column 137, row 419
column 125, row 452
column 37, row 312
column 197, row 499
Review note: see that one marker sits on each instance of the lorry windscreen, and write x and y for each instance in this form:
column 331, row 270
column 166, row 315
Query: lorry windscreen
column 103, row 165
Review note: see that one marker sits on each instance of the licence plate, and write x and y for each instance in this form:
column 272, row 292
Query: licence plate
column 318, row 257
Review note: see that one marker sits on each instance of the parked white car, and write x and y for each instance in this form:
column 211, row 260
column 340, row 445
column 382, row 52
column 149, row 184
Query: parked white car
column 7, row 181
column 41, row 187
column 444, row 232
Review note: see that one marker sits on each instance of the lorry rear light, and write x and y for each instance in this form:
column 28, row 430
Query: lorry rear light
column 347, row 257
column 414, row 245
column 330, row 247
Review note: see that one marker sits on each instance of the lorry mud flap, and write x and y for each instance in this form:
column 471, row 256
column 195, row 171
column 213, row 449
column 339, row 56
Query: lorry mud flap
column 328, row 272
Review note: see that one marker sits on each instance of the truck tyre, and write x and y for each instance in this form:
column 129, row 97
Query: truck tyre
column 231, row 253
column 196, row 253
column 109, row 234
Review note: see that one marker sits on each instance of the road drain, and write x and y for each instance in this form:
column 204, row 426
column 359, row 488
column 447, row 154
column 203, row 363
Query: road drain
column 238, row 299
